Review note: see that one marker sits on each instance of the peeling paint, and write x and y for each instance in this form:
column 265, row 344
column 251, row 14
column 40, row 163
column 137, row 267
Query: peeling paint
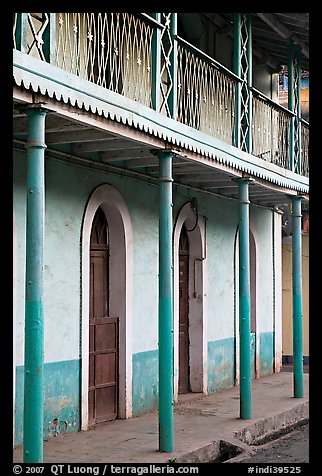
column 221, row 364
column 61, row 399
column 145, row 382
column 266, row 352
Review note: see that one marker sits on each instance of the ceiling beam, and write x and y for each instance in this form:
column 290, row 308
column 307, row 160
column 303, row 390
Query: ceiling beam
column 125, row 154
column 207, row 178
column 106, row 145
column 79, row 135
column 178, row 171
column 271, row 20
column 223, row 185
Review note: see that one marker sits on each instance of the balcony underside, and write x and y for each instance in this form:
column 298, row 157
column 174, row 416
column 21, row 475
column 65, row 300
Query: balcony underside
column 92, row 126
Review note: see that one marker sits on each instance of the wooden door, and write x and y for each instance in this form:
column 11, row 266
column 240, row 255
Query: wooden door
column 103, row 330
column 184, row 384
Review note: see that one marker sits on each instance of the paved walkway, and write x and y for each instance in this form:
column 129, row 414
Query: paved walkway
column 206, row 428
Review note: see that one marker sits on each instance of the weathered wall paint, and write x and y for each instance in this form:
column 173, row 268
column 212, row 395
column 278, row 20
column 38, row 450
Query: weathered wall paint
column 61, row 398
column 19, row 205
column 261, row 226
column 221, row 227
column 67, row 191
column 278, row 291
column 221, row 368
column 145, row 382
column 145, row 221
column 287, row 303
column 266, row 356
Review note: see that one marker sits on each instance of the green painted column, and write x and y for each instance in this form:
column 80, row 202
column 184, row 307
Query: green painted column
column 249, row 139
column 237, row 71
column 34, row 319
column 173, row 67
column 166, row 420
column 156, row 64
column 298, row 138
column 290, row 96
column 297, row 298
column 244, row 303
column 242, row 64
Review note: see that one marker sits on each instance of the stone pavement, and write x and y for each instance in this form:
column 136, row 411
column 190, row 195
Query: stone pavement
column 207, row 428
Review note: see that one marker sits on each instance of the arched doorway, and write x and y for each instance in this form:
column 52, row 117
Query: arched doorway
column 103, row 330
column 190, row 302
column 184, row 380
column 106, row 227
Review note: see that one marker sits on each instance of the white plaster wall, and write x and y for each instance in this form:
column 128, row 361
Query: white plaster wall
column 278, row 290
column 145, row 221
column 221, row 226
column 14, row 319
column 19, row 204
column 67, row 191
column 261, row 220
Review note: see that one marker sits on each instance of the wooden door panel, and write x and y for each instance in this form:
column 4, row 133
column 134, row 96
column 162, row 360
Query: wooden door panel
column 105, row 369
column 91, row 371
column 105, row 407
column 98, row 295
column 105, row 337
column 91, row 337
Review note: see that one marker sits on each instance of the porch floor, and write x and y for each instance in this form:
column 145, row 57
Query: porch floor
column 201, row 424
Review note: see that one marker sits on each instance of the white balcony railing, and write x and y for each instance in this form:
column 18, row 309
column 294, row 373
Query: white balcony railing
column 138, row 56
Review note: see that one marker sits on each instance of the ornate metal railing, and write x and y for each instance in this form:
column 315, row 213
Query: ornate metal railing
column 112, row 50
column 141, row 57
column 270, row 130
column 206, row 94
column 304, row 148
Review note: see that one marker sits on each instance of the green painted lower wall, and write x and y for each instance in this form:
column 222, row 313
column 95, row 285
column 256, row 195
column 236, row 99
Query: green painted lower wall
column 61, row 398
column 221, row 364
column 221, row 361
column 62, row 384
column 145, row 387
column 266, row 355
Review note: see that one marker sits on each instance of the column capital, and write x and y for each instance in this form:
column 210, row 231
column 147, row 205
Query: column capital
column 296, row 205
column 164, row 152
column 244, row 179
column 33, row 109
column 296, row 198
